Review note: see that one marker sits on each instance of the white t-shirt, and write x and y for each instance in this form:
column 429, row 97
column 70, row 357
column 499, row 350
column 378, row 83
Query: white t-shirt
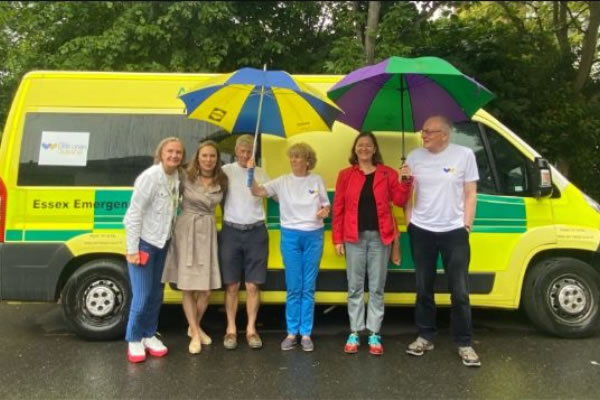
column 300, row 198
column 439, row 186
column 241, row 207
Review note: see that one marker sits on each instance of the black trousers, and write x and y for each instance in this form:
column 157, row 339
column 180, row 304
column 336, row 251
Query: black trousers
column 454, row 248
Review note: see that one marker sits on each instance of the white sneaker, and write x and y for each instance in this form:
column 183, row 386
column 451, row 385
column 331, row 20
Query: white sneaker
column 419, row 347
column 136, row 352
column 468, row 356
column 155, row 347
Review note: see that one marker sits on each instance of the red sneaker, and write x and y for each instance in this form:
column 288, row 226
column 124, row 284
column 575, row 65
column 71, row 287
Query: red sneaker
column 136, row 352
column 352, row 344
column 155, row 347
column 375, row 346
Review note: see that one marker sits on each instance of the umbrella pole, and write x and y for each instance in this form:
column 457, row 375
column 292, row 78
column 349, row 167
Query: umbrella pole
column 402, row 114
column 402, row 121
column 256, row 130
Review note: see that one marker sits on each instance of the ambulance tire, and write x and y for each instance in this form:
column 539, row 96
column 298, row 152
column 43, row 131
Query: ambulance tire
column 96, row 300
column 561, row 295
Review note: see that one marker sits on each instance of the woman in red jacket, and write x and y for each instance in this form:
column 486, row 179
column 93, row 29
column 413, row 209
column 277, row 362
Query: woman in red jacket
column 364, row 229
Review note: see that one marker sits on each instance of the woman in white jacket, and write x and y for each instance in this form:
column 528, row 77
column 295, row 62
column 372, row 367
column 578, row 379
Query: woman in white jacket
column 148, row 224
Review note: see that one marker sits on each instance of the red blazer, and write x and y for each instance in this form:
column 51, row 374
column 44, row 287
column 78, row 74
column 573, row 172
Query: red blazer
column 386, row 188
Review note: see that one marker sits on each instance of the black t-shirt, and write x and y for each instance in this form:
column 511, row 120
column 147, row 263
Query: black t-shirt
column 367, row 211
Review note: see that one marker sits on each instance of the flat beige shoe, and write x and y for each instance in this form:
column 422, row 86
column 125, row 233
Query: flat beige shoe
column 204, row 338
column 254, row 341
column 230, row 341
column 195, row 346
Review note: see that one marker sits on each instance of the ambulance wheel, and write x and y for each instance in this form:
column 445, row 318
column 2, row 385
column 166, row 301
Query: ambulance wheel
column 96, row 300
column 561, row 295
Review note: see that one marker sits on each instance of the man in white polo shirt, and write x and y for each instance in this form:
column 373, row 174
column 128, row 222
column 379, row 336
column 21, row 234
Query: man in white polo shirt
column 243, row 244
column 440, row 219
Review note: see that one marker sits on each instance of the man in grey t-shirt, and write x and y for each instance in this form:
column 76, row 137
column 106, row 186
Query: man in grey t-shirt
column 440, row 219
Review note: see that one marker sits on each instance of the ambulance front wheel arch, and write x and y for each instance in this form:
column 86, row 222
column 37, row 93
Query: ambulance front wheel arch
column 96, row 299
column 561, row 296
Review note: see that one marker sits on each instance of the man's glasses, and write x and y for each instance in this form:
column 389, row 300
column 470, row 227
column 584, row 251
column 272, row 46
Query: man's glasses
column 428, row 132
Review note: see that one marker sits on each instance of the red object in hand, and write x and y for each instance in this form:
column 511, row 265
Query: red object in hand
column 143, row 258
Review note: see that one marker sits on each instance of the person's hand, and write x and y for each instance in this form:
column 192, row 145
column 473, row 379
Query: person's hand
column 323, row 213
column 339, row 249
column 250, row 163
column 405, row 172
column 133, row 258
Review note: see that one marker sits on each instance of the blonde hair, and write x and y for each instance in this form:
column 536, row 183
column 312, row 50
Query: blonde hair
column 244, row 140
column 193, row 168
column 162, row 144
column 305, row 151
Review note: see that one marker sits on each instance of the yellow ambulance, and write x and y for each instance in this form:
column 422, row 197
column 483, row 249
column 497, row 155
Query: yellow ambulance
column 74, row 142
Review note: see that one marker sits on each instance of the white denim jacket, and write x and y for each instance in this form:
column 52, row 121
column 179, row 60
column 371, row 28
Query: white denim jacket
column 150, row 212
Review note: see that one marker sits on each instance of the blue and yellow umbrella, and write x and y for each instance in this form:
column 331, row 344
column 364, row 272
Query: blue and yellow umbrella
column 252, row 100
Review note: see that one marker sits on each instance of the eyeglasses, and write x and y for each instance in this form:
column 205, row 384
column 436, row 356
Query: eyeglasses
column 427, row 132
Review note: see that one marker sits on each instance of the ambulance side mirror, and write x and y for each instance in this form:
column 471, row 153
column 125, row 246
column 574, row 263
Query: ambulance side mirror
column 541, row 178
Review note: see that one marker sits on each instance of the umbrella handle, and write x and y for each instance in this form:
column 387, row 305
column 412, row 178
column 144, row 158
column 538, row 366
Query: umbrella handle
column 250, row 176
column 404, row 177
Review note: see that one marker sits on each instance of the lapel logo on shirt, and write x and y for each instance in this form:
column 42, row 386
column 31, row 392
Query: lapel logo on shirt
column 312, row 191
column 448, row 170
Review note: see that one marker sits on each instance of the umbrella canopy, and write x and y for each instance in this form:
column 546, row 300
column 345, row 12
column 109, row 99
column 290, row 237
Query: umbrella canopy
column 400, row 93
column 266, row 101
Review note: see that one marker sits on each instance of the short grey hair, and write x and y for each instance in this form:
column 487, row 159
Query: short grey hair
column 445, row 120
column 245, row 140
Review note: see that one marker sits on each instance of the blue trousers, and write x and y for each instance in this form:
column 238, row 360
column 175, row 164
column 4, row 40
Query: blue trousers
column 147, row 293
column 301, row 252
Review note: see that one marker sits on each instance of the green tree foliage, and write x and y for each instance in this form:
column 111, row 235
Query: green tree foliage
column 160, row 36
column 539, row 58
column 530, row 54
column 514, row 50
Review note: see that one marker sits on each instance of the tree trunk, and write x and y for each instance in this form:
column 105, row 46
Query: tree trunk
column 371, row 30
column 590, row 40
column 358, row 26
column 559, row 12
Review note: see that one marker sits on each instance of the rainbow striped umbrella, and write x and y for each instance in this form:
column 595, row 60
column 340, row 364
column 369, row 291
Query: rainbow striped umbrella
column 253, row 100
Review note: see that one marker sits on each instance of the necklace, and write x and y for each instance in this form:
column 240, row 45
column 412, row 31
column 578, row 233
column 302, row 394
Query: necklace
column 203, row 174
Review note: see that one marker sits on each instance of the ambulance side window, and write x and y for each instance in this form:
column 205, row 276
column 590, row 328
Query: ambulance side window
column 512, row 167
column 118, row 147
column 468, row 134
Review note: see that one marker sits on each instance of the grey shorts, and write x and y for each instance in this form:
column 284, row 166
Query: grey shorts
column 243, row 252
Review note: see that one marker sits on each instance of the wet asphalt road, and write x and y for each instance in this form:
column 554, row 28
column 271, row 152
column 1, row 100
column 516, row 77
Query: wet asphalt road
column 41, row 359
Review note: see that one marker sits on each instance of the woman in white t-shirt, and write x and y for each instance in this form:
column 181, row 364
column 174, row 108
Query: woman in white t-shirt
column 303, row 205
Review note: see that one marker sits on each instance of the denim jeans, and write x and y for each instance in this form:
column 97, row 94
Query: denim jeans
column 301, row 252
column 147, row 293
column 368, row 256
column 454, row 248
